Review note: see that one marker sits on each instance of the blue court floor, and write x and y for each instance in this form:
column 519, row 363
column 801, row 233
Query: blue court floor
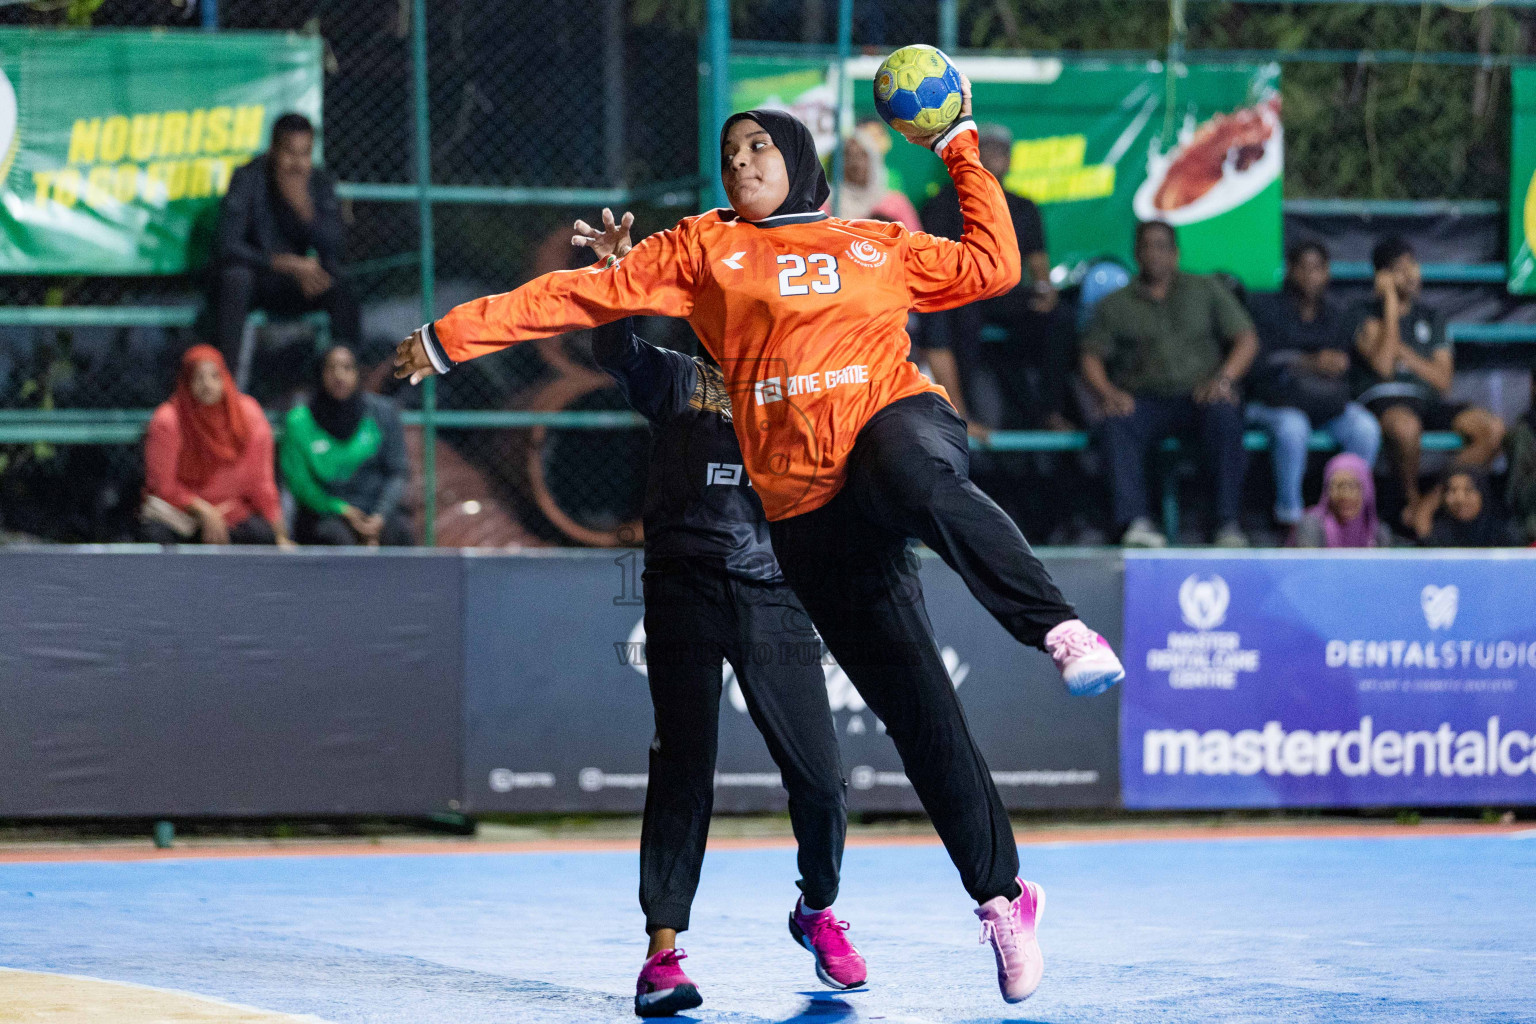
column 1271, row 930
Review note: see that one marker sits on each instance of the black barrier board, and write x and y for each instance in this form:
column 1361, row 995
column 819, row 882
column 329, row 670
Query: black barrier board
column 229, row 683
column 558, row 716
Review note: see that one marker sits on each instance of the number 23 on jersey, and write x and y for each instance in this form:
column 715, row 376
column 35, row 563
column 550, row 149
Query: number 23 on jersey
column 798, row 279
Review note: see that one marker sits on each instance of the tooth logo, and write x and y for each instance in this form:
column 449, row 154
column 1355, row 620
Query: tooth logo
column 1440, row 605
column 1203, row 603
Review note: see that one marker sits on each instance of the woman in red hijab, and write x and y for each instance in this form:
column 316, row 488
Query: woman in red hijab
column 208, row 462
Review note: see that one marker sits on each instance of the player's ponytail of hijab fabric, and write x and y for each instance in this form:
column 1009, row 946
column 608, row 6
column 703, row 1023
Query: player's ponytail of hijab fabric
column 808, row 188
column 212, row 435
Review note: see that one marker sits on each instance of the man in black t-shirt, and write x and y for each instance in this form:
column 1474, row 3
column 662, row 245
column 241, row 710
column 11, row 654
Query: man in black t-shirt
column 1300, row 381
column 1406, row 365
column 1039, row 342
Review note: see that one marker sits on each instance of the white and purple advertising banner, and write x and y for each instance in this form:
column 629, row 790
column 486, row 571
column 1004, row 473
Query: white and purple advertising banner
column 1322, row 679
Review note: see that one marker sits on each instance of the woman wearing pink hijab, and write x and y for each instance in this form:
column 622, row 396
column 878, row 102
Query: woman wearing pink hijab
column 1346, row 515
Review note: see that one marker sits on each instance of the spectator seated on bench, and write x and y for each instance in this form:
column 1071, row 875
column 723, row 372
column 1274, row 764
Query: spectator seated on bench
column 1300, row 380
column 279, row 242
column 208, row 474
column 1521, row 491
column 343, row 458
column 1405, row 367
column 1153, row 355
column 1346, row 517
column 1462, row 514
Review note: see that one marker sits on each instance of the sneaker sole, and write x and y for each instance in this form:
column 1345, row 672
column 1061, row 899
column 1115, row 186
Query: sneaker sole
column 668, row 1002
column 1097, row 684
column 798, row 934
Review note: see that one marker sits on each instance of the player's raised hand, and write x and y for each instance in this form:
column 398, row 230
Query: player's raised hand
column 927, row 140
column 613, row 240
column 411, row 358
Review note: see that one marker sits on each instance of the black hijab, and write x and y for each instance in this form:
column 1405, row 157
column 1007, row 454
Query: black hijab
column 339, row 419
column 807, row 182
column 1488, row 530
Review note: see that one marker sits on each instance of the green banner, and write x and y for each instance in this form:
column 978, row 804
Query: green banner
column 1095, row 145
column 1522, row 185
column 118, row 145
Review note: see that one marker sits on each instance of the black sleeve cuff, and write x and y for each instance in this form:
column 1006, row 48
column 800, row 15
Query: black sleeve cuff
column 435, row 354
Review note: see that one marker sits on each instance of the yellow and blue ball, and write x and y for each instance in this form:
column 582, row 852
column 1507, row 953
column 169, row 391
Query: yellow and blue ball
column 917, row 89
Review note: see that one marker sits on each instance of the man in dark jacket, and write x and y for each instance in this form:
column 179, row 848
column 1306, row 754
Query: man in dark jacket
column 279, row 241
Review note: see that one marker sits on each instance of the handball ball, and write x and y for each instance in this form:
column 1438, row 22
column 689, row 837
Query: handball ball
column 917, row 90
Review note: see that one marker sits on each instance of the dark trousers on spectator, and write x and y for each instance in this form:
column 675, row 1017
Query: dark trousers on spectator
column 254, row 530
column 309, row 528
column 694, row 621
column 1128, row 440
column 849, row 563
column 238, row 289
column 1033, row 368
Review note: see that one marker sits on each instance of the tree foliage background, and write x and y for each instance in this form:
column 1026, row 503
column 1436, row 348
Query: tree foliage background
column 1365, row 128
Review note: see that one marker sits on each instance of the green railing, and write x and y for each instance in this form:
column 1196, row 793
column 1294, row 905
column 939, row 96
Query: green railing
column 715, row 44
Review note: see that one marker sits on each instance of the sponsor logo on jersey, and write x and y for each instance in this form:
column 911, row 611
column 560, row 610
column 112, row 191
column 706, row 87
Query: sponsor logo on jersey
column 773, row 389
column 725, row 473
column 866, row 253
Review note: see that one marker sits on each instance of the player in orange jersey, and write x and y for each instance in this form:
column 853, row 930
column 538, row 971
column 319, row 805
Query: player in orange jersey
column 850, row 448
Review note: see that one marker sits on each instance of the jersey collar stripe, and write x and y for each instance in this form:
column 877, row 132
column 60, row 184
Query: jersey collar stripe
column 779, row 221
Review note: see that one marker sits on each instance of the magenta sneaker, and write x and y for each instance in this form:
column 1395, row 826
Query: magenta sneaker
column 663, row 988
column 1011, row 927
column 1087, row 663
column 838, row 964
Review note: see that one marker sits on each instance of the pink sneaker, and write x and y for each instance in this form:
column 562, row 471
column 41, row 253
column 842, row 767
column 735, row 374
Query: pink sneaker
column 838, row 964
column 663, row 988
column 1011, row 927
column 1087, row 663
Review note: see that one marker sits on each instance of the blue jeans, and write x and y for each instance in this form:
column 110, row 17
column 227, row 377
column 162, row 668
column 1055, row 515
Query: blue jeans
column 1355, row 429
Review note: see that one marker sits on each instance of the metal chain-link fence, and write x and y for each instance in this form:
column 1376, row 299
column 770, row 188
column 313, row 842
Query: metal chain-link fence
column 541, row 111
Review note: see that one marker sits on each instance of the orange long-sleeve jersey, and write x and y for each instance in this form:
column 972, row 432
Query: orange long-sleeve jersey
column 805, row 313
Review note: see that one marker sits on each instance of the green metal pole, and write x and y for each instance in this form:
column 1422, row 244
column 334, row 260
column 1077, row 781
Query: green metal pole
column 844, row 46
column 428, row 258
column 1178, row 31
column 949, row 26
column 716, row 46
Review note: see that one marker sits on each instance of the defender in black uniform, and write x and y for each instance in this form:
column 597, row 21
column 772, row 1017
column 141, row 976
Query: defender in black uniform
column 714, row 593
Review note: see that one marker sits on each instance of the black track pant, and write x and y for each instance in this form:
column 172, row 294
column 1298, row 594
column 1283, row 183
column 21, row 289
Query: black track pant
column 848, row 562
column 693, row 622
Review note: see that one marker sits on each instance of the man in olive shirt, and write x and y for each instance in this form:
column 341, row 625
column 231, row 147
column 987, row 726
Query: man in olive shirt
column 1164, row 355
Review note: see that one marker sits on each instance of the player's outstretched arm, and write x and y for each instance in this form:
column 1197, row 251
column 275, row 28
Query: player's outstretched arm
column 655, row 278
column 941, row 273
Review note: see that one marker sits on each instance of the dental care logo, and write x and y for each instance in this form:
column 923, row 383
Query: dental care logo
column 866, row 254
column 1203, row 603
column 1439, row 604
column 1207, row 658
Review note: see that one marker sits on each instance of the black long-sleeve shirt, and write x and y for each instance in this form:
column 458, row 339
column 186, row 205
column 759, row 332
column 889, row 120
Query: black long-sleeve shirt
column 699, row 502
column 256, row 224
